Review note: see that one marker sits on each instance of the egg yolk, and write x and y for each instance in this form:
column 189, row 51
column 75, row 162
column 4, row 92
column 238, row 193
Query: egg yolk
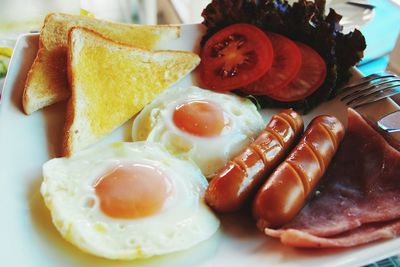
column 200, row 118
column 133, row 191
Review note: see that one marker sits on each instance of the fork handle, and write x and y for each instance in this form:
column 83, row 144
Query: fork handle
column 390, row 122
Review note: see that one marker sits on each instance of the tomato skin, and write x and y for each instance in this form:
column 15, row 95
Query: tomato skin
column 285, row 66
column 310, row 77
column 234, row 57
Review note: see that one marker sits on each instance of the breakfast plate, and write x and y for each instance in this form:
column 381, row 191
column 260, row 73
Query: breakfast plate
column 28, row 237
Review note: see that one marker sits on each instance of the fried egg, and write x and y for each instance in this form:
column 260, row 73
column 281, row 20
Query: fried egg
column 127, row 201
column 204, row 126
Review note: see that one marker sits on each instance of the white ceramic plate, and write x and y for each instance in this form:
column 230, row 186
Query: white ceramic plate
column 28, row 238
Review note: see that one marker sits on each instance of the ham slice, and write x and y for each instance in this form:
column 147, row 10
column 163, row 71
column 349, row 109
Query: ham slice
column 358, row 199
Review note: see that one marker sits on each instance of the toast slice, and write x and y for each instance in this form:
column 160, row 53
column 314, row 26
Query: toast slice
column 46, row 82
column 111, row 82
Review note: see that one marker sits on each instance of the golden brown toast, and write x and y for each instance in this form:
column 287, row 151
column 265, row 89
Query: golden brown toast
column 46, row 82
column 111, row 82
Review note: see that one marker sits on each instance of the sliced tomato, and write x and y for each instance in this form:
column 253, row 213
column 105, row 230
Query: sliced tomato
column 310, row 77
column 235, row 56
column 285, row 66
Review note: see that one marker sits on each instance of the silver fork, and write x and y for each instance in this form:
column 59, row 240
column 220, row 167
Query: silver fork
column 370, row 89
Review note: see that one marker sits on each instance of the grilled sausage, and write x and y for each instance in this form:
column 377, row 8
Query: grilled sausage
column 284, row 193
column 232, row 185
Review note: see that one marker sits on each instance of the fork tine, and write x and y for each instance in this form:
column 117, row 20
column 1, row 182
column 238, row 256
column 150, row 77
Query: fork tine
column 375, row 96
column 387, row 94
column 355, row 93
column 373, row 90
column 370, row 89
column 365, row 80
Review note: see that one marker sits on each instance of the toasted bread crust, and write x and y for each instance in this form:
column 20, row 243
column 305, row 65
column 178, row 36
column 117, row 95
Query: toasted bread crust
column 57, row 35
column 26, row 105
column 70, row 114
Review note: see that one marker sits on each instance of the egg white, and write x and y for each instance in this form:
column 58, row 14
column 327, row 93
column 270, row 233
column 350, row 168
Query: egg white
column 155, row 124
column 69, row 194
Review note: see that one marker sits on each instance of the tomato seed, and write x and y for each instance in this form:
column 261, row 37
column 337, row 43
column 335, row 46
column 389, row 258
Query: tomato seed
column 235, row 40
column 225, row 73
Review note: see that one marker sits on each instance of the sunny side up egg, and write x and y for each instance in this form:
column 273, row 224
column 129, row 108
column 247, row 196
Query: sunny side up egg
column 127, row 201
column 206, row 127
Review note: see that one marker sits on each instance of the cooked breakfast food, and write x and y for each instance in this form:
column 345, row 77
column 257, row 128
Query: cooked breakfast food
column 357, row 201
column 234, row 184
column 127, row 201
column 111, row 82
column 203, row 126
column 46, row 82
column 286, row 190
column 296, row 80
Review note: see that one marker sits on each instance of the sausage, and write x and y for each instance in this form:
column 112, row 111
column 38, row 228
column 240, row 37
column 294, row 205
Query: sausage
column 240, row 178
column 285, row 191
